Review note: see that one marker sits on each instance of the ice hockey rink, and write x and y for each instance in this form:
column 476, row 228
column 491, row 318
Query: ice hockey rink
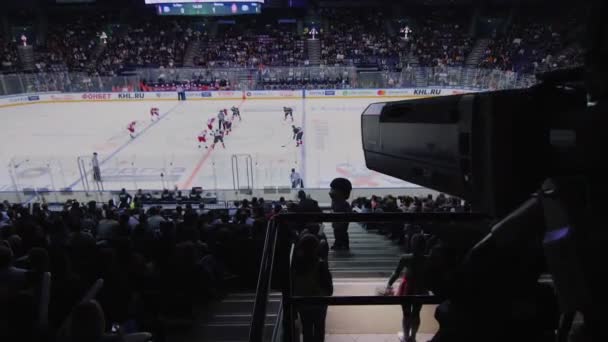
column 40, row 145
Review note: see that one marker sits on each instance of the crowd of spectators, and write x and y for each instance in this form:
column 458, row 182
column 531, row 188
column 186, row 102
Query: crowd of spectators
column 155, row 262
column 154, row 43
column 347, row 37
column 297, row 79
column 405, row 204
column 192, row 85
column 8, row 56
column 357, row 37
column 441, row 39
column 252, row 45
column 536, row 43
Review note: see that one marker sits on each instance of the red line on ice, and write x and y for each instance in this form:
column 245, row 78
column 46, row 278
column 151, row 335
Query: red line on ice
column 201, row 163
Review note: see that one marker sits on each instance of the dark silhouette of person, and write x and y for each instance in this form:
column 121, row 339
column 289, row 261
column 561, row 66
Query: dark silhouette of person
column 412, row 283
column 311, row 278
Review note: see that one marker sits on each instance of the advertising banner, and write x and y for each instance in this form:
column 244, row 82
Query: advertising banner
column 96, row 96
column 230, row 94
column 272, row 94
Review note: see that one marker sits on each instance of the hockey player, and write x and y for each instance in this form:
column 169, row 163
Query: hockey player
column 210, row 123
column 218, row 136
column 228, row 126
column 221, row 116
column 288, row 112
column 236, row 112
column 298, row 133
column 131, row 129
column 154, row 112
column 202, row 138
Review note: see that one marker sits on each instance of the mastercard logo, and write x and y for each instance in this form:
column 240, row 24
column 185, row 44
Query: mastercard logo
column 381, row 92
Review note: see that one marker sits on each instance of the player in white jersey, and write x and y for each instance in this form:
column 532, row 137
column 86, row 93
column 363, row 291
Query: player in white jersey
column 202, row 138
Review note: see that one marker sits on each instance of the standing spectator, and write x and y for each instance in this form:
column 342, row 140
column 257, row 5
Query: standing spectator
column 311, row 277
column 412, row 283
column 339, row 193
column 296, row 179
column 124, row 199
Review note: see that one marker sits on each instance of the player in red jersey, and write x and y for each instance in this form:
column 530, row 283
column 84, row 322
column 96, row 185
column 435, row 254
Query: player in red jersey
column 131, row 129
column 227, row 126
column 154, row 112
column 202, row 138
column 210, row 123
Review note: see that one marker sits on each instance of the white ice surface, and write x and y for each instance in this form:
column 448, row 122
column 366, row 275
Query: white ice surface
column 39, row 145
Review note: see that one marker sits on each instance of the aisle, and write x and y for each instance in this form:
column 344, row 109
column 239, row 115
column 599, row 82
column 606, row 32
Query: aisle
column 360, row 272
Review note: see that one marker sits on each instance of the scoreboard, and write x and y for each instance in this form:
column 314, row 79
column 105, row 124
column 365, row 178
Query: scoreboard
column 154, row 2
column 221, row 8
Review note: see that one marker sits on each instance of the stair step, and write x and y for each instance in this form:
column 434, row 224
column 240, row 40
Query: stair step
column 362, row 263
column 271, row 318
column 243, row 306
column 361, row 273
column 229, row 332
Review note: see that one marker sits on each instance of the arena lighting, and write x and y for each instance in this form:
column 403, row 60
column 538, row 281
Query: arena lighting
column 156, row 2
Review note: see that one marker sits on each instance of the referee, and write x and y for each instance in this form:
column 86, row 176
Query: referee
column 296, row 180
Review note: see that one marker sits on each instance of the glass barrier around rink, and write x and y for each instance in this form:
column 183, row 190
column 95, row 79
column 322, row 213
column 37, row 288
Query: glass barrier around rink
column 272, row 78
column 64, row 82
column 209, row 169
column 25, row 174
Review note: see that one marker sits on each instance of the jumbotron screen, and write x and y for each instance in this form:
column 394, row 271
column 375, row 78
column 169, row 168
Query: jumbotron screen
column 210, row 9
column 155, row 2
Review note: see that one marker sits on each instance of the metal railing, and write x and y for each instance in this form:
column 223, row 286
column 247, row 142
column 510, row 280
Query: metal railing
column 277, row 237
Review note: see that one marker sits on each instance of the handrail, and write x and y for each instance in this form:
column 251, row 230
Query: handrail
column 263, row 287
column 381, row 217
column 366, row 300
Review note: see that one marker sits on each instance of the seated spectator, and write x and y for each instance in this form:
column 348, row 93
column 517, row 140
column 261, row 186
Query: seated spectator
column 88, row 324
column 194, row 195
column 12, row 279
column 167, row 195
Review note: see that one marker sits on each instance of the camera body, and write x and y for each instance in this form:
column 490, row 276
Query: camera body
column 492, row 149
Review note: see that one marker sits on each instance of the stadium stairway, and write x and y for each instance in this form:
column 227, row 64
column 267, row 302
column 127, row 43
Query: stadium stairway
column 371, row 255
column 370, row 261
column 313, row 50
column 191, row 51
column 26, row 57
column 477, row 52
column 228, row 320
column 474, row 58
